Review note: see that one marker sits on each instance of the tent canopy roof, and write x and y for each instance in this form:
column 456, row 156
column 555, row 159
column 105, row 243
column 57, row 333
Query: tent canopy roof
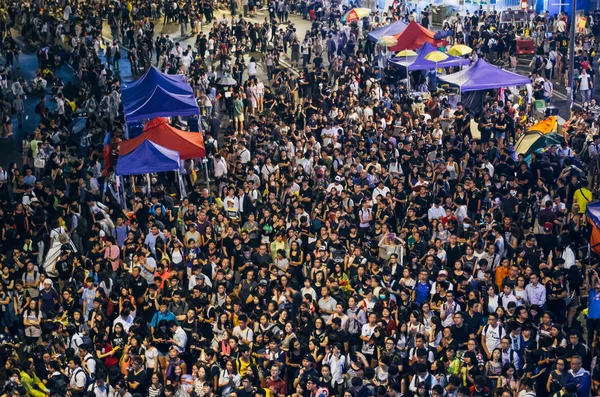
column 189, row 145
column 419, row 62
column 174, row 83
column 545, row 126
column 147, row 158
column 392, row 29
column 413, row 37
column 483, row 76
column 161, row 103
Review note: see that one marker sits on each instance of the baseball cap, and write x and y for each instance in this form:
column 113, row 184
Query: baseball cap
column 547, row 226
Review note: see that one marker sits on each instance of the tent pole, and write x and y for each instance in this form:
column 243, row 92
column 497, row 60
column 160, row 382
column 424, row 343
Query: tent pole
column 149, row 191
column 205, row 163
column 181, row 185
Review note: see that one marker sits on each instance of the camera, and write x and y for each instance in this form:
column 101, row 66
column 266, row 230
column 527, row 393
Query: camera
column 590, row 272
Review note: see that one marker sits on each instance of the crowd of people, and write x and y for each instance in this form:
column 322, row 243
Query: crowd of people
column 357, row 240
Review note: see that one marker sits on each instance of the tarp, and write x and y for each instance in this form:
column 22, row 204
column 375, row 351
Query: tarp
column 147, row 158
column 546, row 126
column 392, row 29
column 535, row 141
column 189, row 145
column 161, row 103
column 173, row 83
column 483, row 76
column 419, row 62
column 414, row 36
column 593, row 212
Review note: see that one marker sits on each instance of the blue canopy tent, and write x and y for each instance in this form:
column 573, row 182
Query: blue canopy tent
column 392, row 29
column 483, row 76
column 419, row 62
column 148, row 158
column 174, row 83
column 480, row 77
column 161, row 103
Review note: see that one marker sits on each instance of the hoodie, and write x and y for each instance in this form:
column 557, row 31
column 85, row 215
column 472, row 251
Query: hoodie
column 582, row 379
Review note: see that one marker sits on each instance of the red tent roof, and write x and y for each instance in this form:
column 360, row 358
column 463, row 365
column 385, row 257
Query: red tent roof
column 413, row 37
column 190, row 145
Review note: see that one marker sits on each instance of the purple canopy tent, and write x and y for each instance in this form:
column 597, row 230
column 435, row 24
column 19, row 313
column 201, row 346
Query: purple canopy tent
column 161, row 103
column 419, row 62
column 174, row 83
column 388, row 30
column 483, row 76
column 147, row 158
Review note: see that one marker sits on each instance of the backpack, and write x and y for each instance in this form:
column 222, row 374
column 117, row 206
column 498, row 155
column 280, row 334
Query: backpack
column 82, row 226
column 500, row 335
column 88, row 378
column 58, row 384
column 100, row 367
column 538, row 62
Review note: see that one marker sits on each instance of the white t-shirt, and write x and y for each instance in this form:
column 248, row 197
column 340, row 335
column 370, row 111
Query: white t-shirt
column 493, row 336
column 367, row 330
column 151, row 353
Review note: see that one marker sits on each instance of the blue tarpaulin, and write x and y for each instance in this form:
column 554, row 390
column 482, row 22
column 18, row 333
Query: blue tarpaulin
column 483, row 76
column 419, row 62
column 173, row 83
column 161, row 103
column 389, row 30
column 147, row 158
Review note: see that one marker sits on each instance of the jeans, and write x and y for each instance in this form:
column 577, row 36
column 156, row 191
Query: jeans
column 586, row 95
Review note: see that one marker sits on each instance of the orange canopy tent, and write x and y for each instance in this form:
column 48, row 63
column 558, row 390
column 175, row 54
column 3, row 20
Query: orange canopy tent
column 413, row 37
column 190, row 145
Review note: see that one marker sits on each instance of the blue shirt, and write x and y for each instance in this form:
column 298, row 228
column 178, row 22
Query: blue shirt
column 593, row 304
column 422, row 292
column 158, row 316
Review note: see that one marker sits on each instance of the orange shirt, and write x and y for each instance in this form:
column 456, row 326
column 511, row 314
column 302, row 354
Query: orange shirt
column 501, row 272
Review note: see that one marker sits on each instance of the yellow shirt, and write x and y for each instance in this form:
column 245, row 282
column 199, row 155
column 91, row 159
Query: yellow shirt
column 582, row 196
column 33, row 386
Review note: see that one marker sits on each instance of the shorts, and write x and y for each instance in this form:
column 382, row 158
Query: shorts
column 239, row 118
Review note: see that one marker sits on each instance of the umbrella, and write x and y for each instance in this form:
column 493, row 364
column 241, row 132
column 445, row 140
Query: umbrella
column 387, row 41
column 460, row 50
column 227, row 81
column 356, row 13
column 406, row 53
column 436, row 56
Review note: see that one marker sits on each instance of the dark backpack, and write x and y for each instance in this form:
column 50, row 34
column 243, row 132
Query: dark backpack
column 82, row 226
column 58, row 384
column 100, row 367
column 538, row 62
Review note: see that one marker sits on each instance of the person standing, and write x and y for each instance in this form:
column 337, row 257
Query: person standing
column 585, row 86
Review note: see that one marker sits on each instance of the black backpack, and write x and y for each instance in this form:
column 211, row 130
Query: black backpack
column 57, row 384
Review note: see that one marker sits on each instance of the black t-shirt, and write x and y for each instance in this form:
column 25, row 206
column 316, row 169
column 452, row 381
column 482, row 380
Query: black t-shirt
column 460, row 334
column 557, row 289
column 141, row 378
column 138, row 287
column 474, row 199
column 64, row 268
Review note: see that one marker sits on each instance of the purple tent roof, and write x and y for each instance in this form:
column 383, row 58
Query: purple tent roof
column 388, row 30
column 161, row 103
column 419, row 62
column 147, row 158
column 174, row 83
column 483, row 76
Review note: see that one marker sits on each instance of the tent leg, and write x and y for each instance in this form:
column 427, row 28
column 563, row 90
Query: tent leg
column 205, row 163
column 149, row 191
column 181, row 185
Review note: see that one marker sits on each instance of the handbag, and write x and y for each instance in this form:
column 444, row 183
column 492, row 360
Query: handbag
column 39, row 162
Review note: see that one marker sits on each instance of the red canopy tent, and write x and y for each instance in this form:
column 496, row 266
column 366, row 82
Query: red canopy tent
column 190, row 145
column 413, row 38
